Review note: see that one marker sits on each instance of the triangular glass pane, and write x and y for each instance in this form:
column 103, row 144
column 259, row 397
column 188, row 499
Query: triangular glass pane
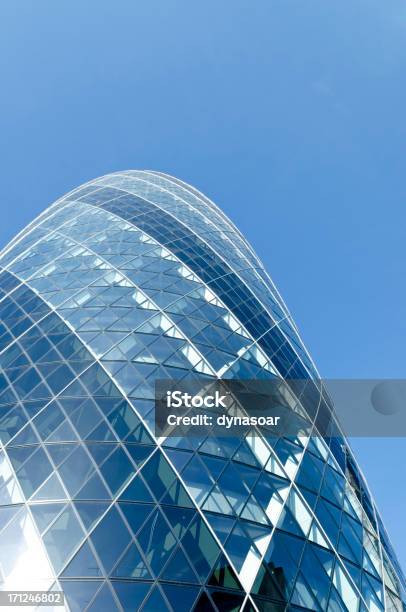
column 79, row 593
column 132, row 565
column 269, row 582
column 200, row 546
column 136, row 491
column 90, row 512
column 253, row 511
column 156, row 541
column 83, row 565
column 100, row 451
column 117, row 470
column 214, row 465
column 64, row 433
column 217, row 502
column 345, row 549
column 6, row 514
column 325, row 558
column 316, row 536
column 260, row 536
column 110, row 538
column 310, row 497
column 231, row 485
column 93, row 489
column 227, row 601
column 368, row 565
column 177, row 496
column 316, row 567
column 139, row 454
column 103, row 601
column 335, row 603
column 50, row 490
column 59, row 452
column 155, row 602
column 221, row 525
column 245, row 455
column 158, row 474
column 26, row 436
column 19, row 455
column 131, row 594
column 178, row 569
column 248, row 475
column 284, row 552
column 44, row 514
column 354, row 571
column 223, row 575
column 372, row 592
column 181, row 597
column 204, row 603
column 287, row 522
column 303, row 596
column 136, row 514
column 178, row 458
column 349, row 508
column 179, row 519
column 238, row 546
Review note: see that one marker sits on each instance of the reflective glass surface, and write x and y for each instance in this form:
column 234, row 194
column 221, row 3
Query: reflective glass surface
column 134, row 277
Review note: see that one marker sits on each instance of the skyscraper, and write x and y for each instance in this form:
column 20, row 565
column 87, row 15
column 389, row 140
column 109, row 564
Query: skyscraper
column 131, row 278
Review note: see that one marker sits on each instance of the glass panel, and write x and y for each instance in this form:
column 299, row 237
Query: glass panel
column 132, row 565
column 62, row 537
column 79, row 593
column 200, row 547
column 110, row 538
column 157, row 541
column 23, row 560
column 131, row 594
column 117, row 470
column 83, row 564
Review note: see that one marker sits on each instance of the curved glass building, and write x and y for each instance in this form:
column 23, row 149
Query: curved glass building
column 134, row 277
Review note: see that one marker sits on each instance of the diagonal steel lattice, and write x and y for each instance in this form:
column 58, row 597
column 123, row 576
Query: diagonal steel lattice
column 131, row 278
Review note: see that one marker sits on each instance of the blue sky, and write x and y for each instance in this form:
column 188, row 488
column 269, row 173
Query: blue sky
column 289, row 114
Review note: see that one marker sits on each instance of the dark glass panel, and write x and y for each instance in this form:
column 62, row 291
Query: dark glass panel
column 136, row 514
column 317, row 565
column 179, row 519
column 155, row 602
column 204, row 604
column 90, row 512
column 180, row 597
column 178, row 569
column 103, row 602
column 79, row 593
column 282, row 559
column 110, row 538
column 131, row 594
column 224, row 576
column 201, row 547
column 159, row 475
column 227, row 602
column 131, row 565
column 117, row 469
column 136, row 491
column 83, row 565
column 157, row 541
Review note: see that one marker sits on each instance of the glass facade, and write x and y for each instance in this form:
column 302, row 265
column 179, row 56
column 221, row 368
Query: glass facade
column 130, row 278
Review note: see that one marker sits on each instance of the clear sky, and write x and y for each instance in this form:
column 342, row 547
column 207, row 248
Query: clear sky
column 290, row 114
